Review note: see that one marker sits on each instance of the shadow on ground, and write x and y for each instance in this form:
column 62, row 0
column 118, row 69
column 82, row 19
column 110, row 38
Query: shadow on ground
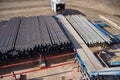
column 8, row 70
column 60, row 60
column 73, row 12
column 19, row 67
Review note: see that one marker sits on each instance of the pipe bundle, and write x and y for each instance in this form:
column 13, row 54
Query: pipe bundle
column 89, row 33
column 114, row 37
column 8, row 36
column 30, row 36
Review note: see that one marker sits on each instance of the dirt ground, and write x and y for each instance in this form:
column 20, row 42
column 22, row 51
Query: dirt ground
column 90, row 8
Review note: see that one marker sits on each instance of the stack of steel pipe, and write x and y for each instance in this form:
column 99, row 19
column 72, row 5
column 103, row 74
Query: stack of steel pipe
column 115, row 33
column 41, row 35
column 89, row 33
column 84, row 55
column 113, row 38
column 58, row 39
column 106, row 33
column 2, row 23
column 26, row 37
column 8, row 36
